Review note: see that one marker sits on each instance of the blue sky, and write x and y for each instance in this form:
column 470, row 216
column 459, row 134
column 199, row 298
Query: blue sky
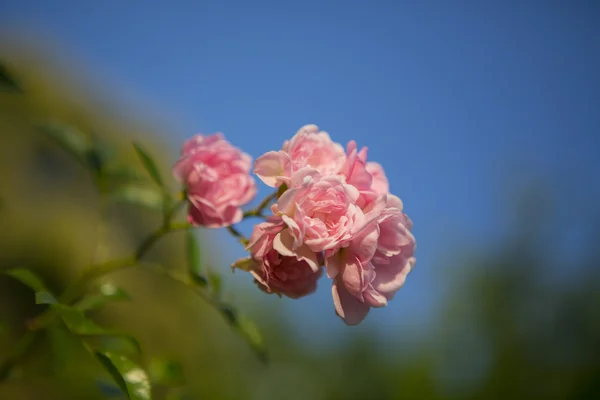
column 457, row 102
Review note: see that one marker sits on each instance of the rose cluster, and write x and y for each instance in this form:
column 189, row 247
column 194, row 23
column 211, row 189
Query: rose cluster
column 333, row 209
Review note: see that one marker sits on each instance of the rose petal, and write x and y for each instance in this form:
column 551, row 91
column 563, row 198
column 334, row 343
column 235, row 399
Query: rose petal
column 347, row 306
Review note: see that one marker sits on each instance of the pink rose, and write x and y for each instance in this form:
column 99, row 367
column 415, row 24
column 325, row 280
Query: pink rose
column 368, row 177
column 308, row 148
column 320, row 211
column 291, row 275
column 379, row 182
column 217, row 179
column 375, row 264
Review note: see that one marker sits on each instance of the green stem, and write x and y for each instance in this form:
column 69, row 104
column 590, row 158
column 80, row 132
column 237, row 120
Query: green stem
column 238, row 235
column 257, row 212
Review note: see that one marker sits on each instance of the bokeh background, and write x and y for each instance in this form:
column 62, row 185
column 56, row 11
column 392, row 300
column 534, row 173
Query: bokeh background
column 485, row 116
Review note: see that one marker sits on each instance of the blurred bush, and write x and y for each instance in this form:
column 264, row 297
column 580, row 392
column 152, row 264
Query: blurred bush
column 516, row 323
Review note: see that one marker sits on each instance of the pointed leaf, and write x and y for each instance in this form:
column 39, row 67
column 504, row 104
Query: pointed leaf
column 139, row 195
column 149, row 164
column 44, row 298
column 107, row 292
column 28, row 278
column 131, row 378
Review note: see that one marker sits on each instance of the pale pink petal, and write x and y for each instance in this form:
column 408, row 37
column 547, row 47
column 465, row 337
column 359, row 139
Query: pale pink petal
column 391, row 278
column 271, row 166
column 351, row 310
column 364, row 243
column 380, row 183
column 353, row 277
column 334, row 263
column 394, row 201
column 283, row 243
column 304, row 253
column 304, row 176
column 286, row 203
column 373, row 298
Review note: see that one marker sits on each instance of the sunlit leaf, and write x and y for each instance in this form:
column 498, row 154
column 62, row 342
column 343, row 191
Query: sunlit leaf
column 193, row 259
column 139, row 195
column 166, row 372
column 149, row 164
column 131, row 378
column 106, row 292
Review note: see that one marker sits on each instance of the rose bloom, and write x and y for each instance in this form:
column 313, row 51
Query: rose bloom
column 320, row 211
column 375, row 264
column 368, row 177
column 308, row 148
column 293, row 275
column 217, row 179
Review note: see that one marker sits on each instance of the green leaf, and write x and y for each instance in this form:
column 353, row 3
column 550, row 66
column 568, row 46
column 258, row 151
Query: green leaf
column 247, row 329
column 131, row 378
column 44, row 298
column 109, row 389
column 216, row 283
column 107, row 339
column 149, row 164
column 166, row 372
column 7, row 82
column 107, row 292
column 78, row 323
column 139, row 195
column 28, row 278
column 123, row 174
column 71, row 140
column 250, row 331
column 64, row 347
column 124, row 344
column 193, row 259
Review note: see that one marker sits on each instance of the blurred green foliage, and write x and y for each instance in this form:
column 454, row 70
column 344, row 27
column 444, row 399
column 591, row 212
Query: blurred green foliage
column 511, row 328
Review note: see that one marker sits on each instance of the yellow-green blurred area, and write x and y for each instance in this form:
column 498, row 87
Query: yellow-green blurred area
column 513, row 326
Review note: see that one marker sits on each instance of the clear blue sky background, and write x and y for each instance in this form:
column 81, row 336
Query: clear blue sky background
column 457, row 100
